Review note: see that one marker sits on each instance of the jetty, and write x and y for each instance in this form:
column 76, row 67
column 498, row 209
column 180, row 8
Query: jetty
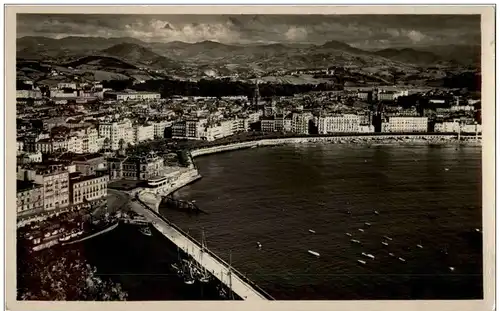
column 230, row 277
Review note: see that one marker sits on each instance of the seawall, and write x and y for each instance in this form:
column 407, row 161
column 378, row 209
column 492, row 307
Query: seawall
column 389, row 138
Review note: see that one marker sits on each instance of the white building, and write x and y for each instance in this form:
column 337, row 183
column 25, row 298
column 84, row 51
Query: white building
column 300, row 122
column 126, row 96
column 347, row 123
column 407, row 124
column 143, row 132
column 115, row 132
column 159, row 128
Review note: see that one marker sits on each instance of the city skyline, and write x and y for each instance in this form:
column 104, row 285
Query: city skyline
column 374, row 31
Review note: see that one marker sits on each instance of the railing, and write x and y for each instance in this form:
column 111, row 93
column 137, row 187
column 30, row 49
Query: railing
column 223, row 262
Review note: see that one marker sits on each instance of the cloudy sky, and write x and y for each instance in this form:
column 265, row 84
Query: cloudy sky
column 358, row 30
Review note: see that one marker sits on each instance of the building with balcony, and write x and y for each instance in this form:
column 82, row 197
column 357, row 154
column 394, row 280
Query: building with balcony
column 87, row 188
column 347, row 123
column 29, row 198
column 406, row 124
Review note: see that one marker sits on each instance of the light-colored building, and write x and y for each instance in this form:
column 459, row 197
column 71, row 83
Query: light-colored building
column 407, row 124
column 142, row 168
column 190, row 129
column 90, row 164
column 23, row 94
column 366, row 128
column 29, row 198
column 159, row 128
column 116, row 133
column 54, row 182
column 347, row 123
column 87, row 188
column 126, row 96
column 143, row 132
column 31, row 157
column 300, row 122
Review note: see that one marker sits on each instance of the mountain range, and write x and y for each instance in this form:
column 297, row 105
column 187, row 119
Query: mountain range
column 262, row 59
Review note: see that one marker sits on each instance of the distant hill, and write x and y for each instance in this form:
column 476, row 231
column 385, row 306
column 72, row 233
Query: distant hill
column 409, row 55
column 139, row 54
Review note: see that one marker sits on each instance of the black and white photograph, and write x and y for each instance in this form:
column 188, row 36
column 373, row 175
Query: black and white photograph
column 251, row 157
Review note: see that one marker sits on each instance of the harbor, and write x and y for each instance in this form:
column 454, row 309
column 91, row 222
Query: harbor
column 204, row 257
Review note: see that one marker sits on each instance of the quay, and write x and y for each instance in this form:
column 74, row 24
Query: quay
column 230, row 277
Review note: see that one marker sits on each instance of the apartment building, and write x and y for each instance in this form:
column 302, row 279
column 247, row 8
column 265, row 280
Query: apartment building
column 116, row 133
column 143, row 132
column 90, row 164
column 87, row 187
column 159, row 128
column 407, row 124
column 141, row 168
column 191, row 129
column 347, row 123
column 29, row 199
column 300, row 122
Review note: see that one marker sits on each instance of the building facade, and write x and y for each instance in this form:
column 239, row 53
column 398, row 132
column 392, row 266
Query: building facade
column 29, row 198
column 407, row 124
column 338, row 124
column 87, row 188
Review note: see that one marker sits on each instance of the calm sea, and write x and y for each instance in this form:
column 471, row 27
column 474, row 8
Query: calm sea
column 427, row 195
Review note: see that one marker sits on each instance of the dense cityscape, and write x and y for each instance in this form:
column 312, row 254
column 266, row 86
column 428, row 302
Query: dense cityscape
column 95, row 153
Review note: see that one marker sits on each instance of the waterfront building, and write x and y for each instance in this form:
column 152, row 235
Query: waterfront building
column 138, row 168
column 407, row 124
column 54, row 181
column 87, row 188
column 347, row 123
column 300, row 122
column 190, row 129
column 29, row 198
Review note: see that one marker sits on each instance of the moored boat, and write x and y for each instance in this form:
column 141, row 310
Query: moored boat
column 312, row 231
column 355, row 241
column 385, row 243
column 313, row 253
column 145, row 230
column 362, row 262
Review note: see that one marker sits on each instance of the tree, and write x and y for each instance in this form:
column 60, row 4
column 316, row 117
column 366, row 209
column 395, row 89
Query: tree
column 50, row 275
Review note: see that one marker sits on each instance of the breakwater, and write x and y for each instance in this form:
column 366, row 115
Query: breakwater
column 385, row 138
column 236, row 281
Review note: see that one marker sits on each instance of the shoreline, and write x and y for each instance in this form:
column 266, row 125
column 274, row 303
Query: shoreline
column 398, row 139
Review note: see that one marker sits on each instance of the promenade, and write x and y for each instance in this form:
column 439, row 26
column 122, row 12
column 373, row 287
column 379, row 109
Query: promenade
column 213, row 265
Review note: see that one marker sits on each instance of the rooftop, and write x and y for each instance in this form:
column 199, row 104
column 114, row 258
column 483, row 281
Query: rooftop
column 23, row 185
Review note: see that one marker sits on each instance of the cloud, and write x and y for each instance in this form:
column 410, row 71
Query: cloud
column 358, row 30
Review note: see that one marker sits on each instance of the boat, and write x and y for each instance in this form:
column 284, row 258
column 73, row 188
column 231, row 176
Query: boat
column 348, row 234
column 385, row 243
column 446, row 169
column 452, row 269
column 387, row 238
column 391, row 254
column 361, row 230
column 362, row 262
column 91, row 232
column 313, row 253
column 419, row 246
column 376, row 212
column 312, row 231
column 401, row 259
column 368, row 224
column 478, row 230
column 259, row 245
column 368, row 255
column 145, row 230
column 355, row 241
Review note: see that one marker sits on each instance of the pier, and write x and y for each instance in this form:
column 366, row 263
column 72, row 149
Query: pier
column 230, row 277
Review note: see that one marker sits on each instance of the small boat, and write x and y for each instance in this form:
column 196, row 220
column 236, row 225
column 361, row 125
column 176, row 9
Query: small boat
column 368, row 224
column 452, row 269
column 313, row 253
column 446, row 169
column 312, row 231
column 361, row 230
column 401, row 259
column 348, row 234
column 145, row 230
column 259, row 245
column 368, row 255
column 362, row 262
column 391, row 254
column 387, row 238
column 355, row 241
column 376, row 212
column 478, row 230
column 385, row 243
column 419, row 246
